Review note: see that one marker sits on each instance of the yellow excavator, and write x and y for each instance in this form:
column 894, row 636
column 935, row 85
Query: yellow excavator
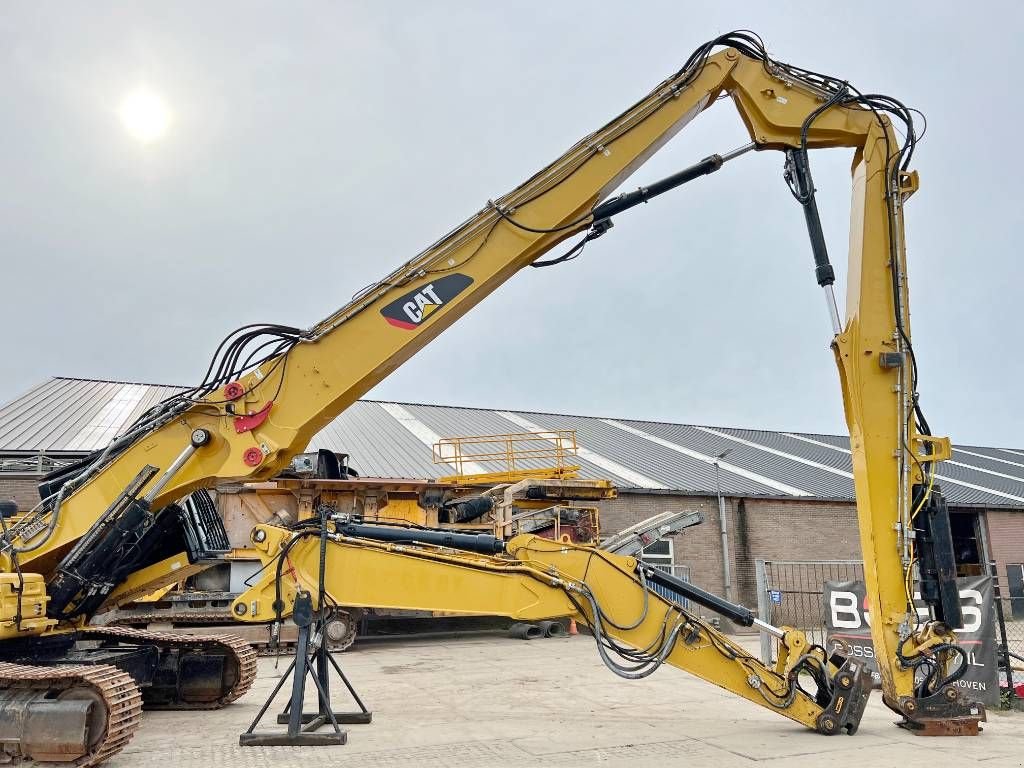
column 110, row 528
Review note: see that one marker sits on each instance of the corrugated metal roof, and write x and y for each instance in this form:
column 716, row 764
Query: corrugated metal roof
column 74, row 414
column 71, row 416
column 378, row 444
column 758, row 457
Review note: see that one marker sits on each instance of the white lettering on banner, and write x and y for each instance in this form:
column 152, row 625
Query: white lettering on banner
column 861, row 651
column 844, row 604
column 847, row 615
column 971, row 613
column 974, row 685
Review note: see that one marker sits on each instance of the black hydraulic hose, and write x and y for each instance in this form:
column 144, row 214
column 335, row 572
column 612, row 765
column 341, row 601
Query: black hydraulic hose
column 321, row 587
column 799, row 169
column 278, row 602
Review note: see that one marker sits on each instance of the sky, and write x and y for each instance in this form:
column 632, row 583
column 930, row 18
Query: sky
column 312, row 147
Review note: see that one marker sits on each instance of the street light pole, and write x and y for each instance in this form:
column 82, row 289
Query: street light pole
column 723, row 522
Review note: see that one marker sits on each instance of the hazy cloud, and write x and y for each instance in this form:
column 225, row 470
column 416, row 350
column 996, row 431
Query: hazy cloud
column 314, row 146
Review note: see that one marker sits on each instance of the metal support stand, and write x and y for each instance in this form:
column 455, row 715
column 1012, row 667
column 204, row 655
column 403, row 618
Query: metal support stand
column 302, row 725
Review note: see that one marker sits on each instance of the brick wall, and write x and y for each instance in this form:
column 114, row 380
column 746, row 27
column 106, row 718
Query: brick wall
column 758, row 529
column 789, row 530
column 21, row 489
column 779, row 529
column 1005, row 537
column 698, row 547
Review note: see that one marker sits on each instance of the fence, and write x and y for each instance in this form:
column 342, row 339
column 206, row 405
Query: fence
column 1011, row 591
column 1010, row 636
column 681, row 572
column 791, row 593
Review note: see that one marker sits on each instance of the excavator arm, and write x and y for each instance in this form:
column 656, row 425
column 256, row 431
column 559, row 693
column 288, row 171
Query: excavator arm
column 531, row 578
column 271, row 388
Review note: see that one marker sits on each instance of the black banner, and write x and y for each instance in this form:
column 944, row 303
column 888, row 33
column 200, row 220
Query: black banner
column 848, row 618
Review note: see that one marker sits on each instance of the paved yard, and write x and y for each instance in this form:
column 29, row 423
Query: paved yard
column 491, row 701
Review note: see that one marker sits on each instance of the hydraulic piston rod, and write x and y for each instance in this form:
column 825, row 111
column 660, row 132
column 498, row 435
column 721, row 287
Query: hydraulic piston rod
column 199, row 438
column 798, row 175
column 737, row 613
column 709, row 164
column 733, row 611
column 471, row 542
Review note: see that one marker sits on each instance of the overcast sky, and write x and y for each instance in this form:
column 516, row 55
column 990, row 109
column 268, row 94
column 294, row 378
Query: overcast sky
column 312, row 147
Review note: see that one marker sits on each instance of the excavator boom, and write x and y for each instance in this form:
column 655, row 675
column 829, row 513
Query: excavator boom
column 531, row 578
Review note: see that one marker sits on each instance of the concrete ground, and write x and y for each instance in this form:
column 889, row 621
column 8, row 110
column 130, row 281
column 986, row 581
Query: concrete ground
column 490, row 701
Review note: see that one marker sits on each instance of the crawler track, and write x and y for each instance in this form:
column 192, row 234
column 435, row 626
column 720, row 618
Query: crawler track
column 240, row 651
column 256, row 636
column 116, row 689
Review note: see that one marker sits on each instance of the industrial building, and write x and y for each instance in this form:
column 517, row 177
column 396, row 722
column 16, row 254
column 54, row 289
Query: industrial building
column 786, row 495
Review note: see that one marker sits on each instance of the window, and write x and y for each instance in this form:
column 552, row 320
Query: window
column 661, row 557
column 659, row 553
column 1015, row 586
column 966, row 543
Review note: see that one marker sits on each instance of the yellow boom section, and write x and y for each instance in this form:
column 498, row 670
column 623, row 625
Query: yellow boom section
column 541, row 579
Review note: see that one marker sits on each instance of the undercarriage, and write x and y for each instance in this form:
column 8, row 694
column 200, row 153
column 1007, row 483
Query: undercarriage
column 77, row 698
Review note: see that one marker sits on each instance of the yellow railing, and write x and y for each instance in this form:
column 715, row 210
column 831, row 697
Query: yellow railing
column 509, row 457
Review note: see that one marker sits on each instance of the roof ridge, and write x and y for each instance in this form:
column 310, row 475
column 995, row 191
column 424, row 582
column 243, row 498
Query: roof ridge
column 593, row 416
column 118, row 381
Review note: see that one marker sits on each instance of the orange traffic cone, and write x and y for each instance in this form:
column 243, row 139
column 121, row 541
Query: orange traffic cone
column 572, row 627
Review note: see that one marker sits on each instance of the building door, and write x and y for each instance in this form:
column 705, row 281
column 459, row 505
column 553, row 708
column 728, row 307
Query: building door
column 1015, row 586
column 967, row 544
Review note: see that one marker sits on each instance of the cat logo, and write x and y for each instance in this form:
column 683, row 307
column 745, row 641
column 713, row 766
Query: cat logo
column 409, row 311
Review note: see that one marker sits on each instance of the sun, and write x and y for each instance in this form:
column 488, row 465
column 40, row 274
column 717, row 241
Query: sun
column 145, row 115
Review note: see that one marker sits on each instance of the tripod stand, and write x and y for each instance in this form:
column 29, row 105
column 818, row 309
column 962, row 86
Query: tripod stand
column 316, row 664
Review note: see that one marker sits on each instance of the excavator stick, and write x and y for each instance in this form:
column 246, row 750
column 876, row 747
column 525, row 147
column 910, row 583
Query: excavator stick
column 845, row 695
column 531, row 578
